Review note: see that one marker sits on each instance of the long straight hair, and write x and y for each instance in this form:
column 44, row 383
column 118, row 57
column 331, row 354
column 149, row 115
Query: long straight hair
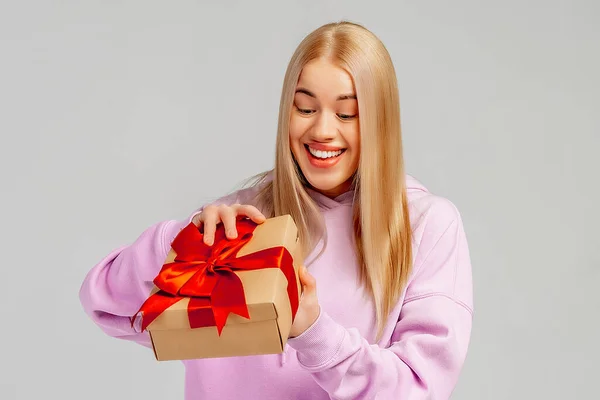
column 382, row 230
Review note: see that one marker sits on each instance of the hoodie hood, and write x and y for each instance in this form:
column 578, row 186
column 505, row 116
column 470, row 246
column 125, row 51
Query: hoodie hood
column 413, row 186
column 328, row 203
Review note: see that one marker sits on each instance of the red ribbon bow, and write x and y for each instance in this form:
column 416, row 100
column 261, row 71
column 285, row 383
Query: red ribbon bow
column 206, row 275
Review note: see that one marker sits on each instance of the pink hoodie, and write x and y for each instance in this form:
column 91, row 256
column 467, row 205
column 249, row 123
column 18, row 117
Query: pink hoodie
column 426, row 336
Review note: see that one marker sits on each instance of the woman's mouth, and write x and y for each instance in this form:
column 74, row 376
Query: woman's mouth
column 323, row 158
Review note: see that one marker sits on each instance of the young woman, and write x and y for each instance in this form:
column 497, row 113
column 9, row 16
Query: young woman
column 386, row 311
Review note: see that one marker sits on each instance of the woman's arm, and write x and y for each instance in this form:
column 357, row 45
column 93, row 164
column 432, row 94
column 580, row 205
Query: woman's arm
column 116, row 287
column 430, row 339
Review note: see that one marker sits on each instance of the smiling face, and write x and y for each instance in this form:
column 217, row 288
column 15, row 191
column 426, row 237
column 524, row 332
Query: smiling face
column 324, row 129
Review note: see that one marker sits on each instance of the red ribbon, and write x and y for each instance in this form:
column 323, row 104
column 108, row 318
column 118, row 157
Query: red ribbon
column 205, row 274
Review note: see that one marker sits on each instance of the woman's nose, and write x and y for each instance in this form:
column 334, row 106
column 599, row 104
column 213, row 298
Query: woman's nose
column 324, row 129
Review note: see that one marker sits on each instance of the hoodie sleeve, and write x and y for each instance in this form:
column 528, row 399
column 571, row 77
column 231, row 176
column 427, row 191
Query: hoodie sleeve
column 429, row 342
column 116, row 287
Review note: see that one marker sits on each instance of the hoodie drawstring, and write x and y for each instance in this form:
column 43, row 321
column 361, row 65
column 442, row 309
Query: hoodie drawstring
column 283, row 356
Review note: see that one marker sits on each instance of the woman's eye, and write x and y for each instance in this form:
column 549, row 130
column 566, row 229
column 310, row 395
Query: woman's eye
column 305, row 111
column 346, row 116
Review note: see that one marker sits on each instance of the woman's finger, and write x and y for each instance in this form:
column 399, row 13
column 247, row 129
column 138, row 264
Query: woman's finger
column 228, row 217
column 309, row 283
column 209, row 219
column 197, row 220
column 251, row 212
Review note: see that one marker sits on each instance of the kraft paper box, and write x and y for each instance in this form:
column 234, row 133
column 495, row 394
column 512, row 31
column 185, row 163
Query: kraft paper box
column 266, row 294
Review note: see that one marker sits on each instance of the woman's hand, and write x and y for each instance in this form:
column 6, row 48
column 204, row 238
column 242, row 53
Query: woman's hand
column 213, row 215
column 309, row 309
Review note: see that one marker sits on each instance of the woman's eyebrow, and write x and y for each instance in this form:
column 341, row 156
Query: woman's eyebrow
column 307, row 92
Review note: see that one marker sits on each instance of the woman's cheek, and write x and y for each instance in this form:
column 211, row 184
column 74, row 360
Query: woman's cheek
column 298, row 127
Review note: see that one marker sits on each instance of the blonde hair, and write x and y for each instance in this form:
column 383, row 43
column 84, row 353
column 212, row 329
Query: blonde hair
column 382, row 229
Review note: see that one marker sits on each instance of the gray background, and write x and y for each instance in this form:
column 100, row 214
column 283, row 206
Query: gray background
column 118, row 114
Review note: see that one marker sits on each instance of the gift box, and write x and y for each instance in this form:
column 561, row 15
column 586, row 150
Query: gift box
column 235, row 298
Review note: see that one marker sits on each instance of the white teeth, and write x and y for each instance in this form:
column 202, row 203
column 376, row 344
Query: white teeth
column 324, row 154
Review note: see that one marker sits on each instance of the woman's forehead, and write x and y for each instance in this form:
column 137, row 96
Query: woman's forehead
column 323, row 78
